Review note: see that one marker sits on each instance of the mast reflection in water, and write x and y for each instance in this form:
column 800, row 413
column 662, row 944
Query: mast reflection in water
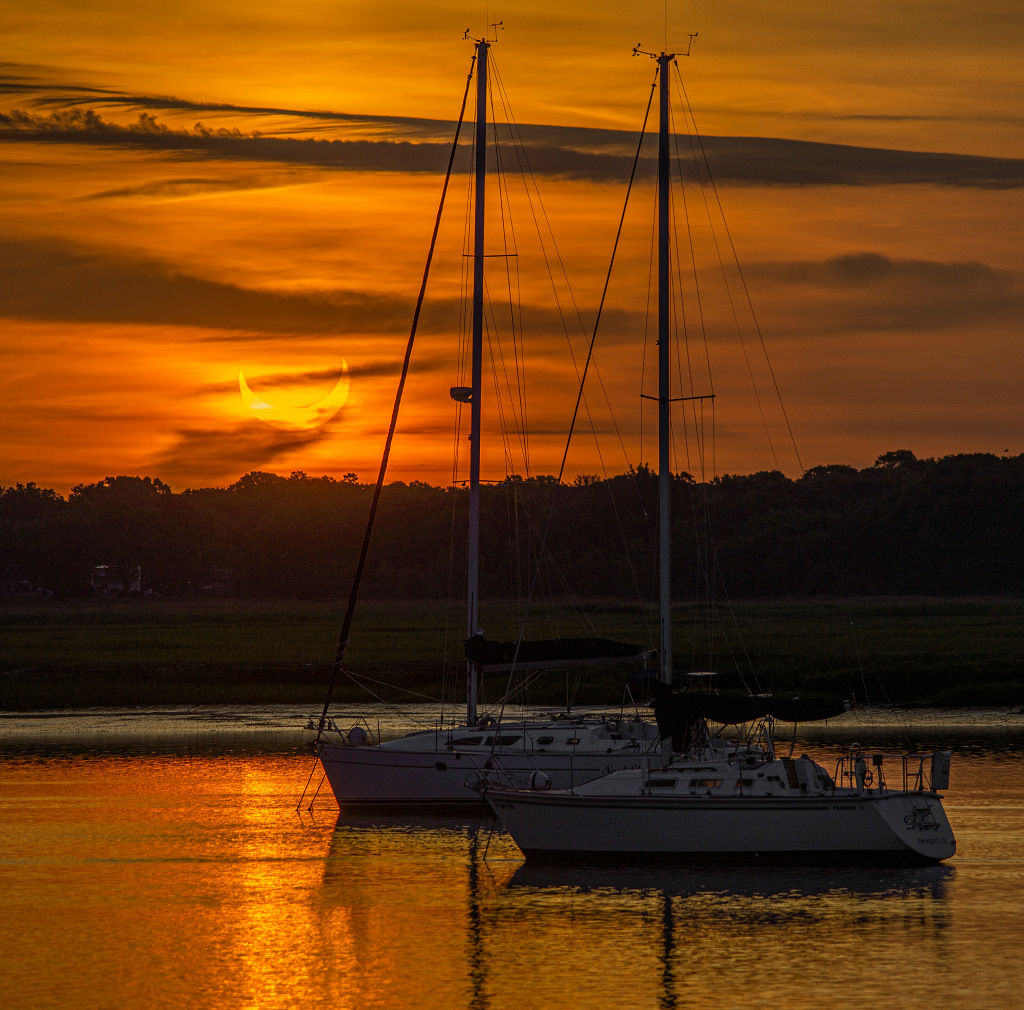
column 786, row 926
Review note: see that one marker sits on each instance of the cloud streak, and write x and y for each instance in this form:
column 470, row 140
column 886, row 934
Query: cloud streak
column 51, row 279
column 180, row 188
column 71, row 96
column 373, row 369
column 47, row 279
column 55, row 280
column 869, row 292
column 576, row 153
column 213, row 453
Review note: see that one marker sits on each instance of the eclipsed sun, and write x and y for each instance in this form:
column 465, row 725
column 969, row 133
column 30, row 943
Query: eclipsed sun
column 297, row 418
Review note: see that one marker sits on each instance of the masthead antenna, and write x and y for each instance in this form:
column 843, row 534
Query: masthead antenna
column 495, row 26
column 637, row 51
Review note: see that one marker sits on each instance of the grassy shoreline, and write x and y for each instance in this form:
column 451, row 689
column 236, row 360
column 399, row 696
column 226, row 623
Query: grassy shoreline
column 79, row 654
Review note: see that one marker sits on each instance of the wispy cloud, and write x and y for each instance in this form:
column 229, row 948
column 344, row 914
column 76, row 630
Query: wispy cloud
column 56, row 280
column 38, row 92
column 864, row 269
column 368, row 369
column 868, row 291
column 576, row 153
column 180, row 187
column 214, row 454
column 48, row 279
column 828, row 116
column 52, row 279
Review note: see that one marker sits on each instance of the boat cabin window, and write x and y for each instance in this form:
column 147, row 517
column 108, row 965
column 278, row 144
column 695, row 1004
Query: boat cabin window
column 662, row 783
column 502, row 741
column 705, row 783
column 544, row 740
column 467, row 741
column 572, row 741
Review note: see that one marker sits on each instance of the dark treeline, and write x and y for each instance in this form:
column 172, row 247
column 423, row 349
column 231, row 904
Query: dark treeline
column 948, row 526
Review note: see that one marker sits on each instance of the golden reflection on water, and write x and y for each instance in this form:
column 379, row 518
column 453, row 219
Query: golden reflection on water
column 143, row 881
column 804, row 939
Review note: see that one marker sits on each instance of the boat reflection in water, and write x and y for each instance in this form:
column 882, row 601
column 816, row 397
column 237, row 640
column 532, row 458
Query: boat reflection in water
column 410, row 895
column 441, row 912
column 767, row 929
column 743, row 883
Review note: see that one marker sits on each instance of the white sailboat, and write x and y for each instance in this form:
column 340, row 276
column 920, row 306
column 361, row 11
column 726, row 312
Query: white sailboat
column 433, row 767
column 744, row 805
column 713, row 801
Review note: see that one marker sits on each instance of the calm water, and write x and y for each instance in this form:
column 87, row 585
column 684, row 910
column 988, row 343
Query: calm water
column 151, row 869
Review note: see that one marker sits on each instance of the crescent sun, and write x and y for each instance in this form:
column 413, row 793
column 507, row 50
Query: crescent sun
column 298, row 418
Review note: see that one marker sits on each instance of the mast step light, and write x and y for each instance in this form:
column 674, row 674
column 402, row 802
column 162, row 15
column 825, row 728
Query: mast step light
column 463, row 394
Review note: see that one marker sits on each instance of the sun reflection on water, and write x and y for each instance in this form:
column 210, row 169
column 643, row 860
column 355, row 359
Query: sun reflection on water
column 153, row 880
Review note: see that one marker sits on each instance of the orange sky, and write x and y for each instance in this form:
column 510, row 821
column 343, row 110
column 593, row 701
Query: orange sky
column 141, row 271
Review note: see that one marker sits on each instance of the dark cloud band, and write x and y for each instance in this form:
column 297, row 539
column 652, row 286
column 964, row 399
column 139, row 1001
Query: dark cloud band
column 591, row 155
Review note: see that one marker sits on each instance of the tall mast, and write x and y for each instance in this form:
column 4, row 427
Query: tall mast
column 664, row 473
column 473, row 586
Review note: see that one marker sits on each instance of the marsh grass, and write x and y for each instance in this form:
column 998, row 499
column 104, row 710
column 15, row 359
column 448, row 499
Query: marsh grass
column 106, row 653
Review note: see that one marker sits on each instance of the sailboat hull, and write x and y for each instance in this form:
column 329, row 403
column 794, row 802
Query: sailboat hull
column 424, row 771
column 361, row 776
column 877, row 828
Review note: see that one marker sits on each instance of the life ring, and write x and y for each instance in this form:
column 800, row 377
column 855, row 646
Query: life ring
column 862, row 773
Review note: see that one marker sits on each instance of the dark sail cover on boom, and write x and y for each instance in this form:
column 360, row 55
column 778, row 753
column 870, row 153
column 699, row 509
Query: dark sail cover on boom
column 677, row 711
column 552, row 652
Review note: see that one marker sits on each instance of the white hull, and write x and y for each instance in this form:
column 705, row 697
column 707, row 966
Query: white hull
column 426, row 769
column 885, row 828
column 765, row 817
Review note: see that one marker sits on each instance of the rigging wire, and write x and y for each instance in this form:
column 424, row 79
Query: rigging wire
column 515, row 305
column 771, row 371
column 519, row 425
column 743, row 282
column 361, row 679
column 647, row 317
column 364, row 550
column 701, row 517
column 521, row 154
column 490, row 327
column 694, row 404
column 583, row 378
column 547, row 235
column 696, row 415
column 449, row 670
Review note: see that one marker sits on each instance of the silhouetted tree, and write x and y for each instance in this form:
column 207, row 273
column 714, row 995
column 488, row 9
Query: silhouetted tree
column 953, row 525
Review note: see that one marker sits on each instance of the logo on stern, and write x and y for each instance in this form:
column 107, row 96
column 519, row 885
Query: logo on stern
column 921, row 819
